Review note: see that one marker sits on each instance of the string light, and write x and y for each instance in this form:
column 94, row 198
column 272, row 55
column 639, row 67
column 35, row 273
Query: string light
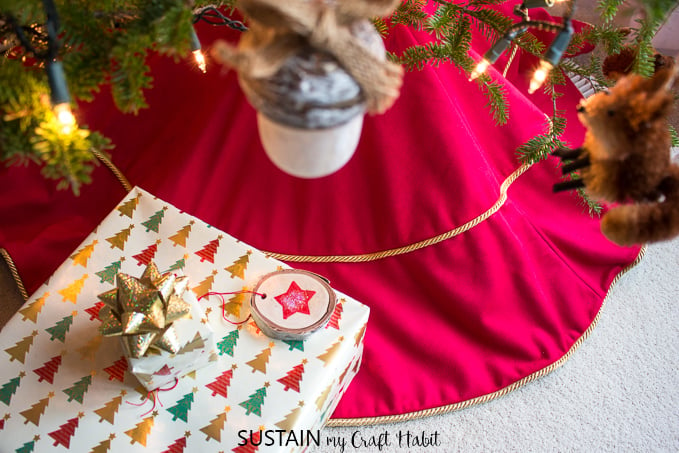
column 59, row 96
column 552, row 56
column 494, row 53
column 197, row 51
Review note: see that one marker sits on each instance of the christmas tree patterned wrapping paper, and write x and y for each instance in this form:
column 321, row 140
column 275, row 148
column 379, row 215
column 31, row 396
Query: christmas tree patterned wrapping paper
column 64, row 387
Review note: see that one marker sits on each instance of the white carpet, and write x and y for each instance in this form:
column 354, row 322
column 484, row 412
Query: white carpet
column 618, row 392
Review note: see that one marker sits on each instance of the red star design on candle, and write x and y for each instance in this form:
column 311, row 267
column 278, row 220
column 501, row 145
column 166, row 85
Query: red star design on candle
column 295, row 300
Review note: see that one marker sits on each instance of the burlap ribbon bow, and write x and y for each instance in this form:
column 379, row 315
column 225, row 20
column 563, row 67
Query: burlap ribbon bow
column 278, row 29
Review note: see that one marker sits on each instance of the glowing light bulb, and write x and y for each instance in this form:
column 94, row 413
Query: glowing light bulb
column 200, row 60
column 480, row 68
column 540, row 75
column 65, row 117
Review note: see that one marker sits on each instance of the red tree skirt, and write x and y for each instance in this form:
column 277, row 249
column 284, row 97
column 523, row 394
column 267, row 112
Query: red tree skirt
column 450, row 322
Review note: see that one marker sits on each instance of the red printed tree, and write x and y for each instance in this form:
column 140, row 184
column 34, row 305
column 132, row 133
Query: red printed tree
column 31, row 310
column 20, row 349
column 47, row 371
column 62, row 436
column 117, row 370
column 251, row 445
column 221, row 384
column 147, row 254
column 180, row 237
column 336, row 315
column 208, row 252
column 178, row 446
column 294, row 377
column 93, row 311
column 3, row 420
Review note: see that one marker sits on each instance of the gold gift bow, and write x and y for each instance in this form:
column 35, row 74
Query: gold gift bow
column 277, row 29
column 142, row 311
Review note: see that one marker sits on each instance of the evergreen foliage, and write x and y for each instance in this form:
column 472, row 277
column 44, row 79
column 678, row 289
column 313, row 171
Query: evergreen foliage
column 107, row 42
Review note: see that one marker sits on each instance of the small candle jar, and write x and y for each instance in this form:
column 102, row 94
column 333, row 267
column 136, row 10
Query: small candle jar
column 310, row 112
column 291, row 304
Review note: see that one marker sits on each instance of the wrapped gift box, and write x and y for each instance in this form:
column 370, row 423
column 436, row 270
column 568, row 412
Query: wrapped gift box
column 65, row 387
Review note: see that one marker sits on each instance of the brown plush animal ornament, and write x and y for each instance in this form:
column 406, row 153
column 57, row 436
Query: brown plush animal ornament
column 625, row 158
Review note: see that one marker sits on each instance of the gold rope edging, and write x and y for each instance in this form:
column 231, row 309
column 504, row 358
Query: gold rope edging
column 365, row 257
column 366, row 421
column 111, row 166
column 15, row 274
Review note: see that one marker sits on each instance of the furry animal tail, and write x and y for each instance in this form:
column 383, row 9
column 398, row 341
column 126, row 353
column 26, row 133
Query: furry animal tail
column 644, row 222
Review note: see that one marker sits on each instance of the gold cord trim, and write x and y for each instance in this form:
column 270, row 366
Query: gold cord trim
column 365, row 421
column 511, row 59
column 15, row 274
column 116, row 172
column 362, row 258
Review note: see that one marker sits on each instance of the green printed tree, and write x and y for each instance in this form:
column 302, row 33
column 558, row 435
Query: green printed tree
column 9, row 388
column 77, row 390
column 178, row 265
column 109, row 273
column 153, row 223
column 295, row 344
column 28, row 447
column 253, row 405
column 182, row 408
column 228, row 343
column 237, row 269
column 60, row 329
